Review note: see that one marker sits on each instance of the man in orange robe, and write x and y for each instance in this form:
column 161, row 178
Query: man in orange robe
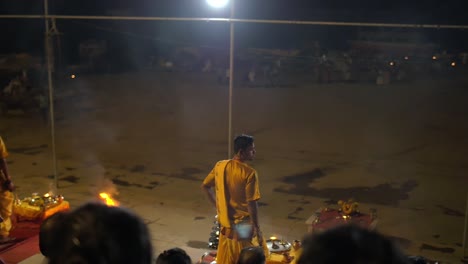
column 232, row 186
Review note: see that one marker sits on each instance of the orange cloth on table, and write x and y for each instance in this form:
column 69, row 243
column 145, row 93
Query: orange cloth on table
column 279, row 258
column 236, row 184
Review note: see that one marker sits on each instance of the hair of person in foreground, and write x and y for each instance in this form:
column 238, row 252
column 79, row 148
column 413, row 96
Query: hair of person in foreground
column 174, row 256
column 252, row 255
column 352, row 245
column 96, row 233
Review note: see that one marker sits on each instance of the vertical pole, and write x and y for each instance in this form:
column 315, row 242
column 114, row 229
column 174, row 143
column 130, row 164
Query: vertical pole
column 466, row 228
column 48, row 51
column 231, row 79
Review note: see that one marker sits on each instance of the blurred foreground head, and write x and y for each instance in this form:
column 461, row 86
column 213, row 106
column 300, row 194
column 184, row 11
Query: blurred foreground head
column 96, row 233
column 174, row 256
column 352, row 245
column 252, row 255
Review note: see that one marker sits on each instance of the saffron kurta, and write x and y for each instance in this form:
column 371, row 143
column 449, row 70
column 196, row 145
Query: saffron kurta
column 235, row 184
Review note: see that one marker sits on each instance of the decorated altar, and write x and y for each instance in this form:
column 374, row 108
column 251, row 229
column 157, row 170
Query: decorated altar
column 347, row 213
column 39, row 207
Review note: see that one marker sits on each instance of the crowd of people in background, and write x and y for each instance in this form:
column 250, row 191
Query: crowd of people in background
column 325, row 67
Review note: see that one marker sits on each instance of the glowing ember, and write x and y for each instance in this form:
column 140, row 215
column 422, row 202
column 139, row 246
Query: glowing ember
column 106, row 198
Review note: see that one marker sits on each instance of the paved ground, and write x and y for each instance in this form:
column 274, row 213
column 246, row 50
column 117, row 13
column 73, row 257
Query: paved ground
column 153, row 137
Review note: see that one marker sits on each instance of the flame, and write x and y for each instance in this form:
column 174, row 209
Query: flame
column 106, row 198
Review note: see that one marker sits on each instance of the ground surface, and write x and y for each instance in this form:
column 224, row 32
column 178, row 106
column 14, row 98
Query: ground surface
column 400, row 149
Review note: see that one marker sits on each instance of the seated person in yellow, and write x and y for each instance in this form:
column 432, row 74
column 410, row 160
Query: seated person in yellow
column 232, row 186
column 6, row 196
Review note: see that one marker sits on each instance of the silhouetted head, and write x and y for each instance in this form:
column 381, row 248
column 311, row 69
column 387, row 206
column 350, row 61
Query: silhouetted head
column 50, row 227
column 174, row 256
column 252, row 255
column 96, row 233
column 352, row 245
column 417, row 260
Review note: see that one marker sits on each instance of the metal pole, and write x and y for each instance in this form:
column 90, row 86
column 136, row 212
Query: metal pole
column 48, row 50
column 241, row 20
column 231, row 79
column 466, row 227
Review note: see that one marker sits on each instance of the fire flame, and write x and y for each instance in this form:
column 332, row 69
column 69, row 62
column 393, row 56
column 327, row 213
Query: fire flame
column 106, row 198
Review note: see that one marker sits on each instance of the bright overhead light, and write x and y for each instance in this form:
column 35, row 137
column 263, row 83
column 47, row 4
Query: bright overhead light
column 217, row 3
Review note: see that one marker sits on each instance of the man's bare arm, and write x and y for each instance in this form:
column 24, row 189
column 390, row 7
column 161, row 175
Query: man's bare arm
column 210, row 194
column 253, row 211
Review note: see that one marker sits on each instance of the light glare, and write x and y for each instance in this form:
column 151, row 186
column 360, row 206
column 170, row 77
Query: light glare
column 217, row 3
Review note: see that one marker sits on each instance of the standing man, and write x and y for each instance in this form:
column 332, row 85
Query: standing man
column 232, row 186
column 6, row 196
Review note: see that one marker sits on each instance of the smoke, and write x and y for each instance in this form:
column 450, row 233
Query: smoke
column 96, row 174
column 106, row 185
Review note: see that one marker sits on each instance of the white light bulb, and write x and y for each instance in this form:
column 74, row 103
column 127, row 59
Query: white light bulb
column 217, row 3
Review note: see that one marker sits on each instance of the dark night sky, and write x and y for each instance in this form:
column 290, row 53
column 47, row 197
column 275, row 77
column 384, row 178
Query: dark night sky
column 427, row 11
column 27, row 33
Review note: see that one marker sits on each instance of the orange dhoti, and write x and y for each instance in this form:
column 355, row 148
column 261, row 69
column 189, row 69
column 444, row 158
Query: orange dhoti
column 229, row 249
